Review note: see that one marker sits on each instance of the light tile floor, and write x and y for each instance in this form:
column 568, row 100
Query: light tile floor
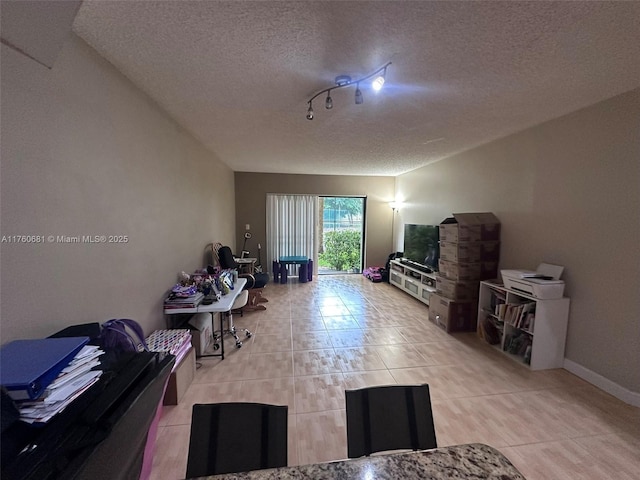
column 340, row 332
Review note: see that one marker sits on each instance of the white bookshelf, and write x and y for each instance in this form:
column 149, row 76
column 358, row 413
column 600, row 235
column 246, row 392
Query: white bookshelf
column 412, row 281
column 546, row 336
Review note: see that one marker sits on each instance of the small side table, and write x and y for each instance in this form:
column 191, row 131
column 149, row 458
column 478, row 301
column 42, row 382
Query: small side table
column 302, row 261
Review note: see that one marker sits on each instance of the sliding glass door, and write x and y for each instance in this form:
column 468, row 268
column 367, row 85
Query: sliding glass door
column 341, row 234
column 329, row 230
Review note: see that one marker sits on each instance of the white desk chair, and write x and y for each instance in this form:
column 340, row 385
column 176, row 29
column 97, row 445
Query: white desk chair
column 237, row 306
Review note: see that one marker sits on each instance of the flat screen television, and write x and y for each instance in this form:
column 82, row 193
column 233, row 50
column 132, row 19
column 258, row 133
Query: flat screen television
column 421, row 245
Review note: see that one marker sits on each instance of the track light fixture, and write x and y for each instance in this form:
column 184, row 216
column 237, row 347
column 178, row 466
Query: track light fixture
column 378, row 83
column 342, row 81
column 359, row 98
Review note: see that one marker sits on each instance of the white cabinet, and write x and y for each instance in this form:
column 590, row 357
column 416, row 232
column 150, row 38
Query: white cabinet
column 413, row 281
column 530, row 330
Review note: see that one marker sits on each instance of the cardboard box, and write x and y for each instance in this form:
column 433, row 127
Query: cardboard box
column 459, row 272
column 488, row 270
column 473, row 252
column 470, row 227
column 201, row 332
column 463, row 272
column 452, row 315
column 460, row 252
column 489, row 252
column 180, row 379
column 461, row 291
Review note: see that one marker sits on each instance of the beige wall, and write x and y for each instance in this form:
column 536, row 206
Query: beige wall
column 84, row 152
column 252, row 188
column 566, row 192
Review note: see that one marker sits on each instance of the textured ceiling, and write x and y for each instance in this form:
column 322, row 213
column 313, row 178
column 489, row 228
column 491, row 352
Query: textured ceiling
column 238, row 74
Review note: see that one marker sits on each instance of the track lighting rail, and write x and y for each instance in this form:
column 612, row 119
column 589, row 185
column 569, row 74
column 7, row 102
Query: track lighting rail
column 345, row 81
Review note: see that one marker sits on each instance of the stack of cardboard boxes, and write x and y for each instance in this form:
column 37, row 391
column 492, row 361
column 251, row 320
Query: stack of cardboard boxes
column 469, row 253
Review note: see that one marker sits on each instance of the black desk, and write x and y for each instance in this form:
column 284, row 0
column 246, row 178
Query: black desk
column 102, row 434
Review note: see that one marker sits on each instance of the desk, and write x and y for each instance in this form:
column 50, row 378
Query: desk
column 76, row 443
column 294, row 260
column 473, row 460
column 304, row 263
column 223, row 305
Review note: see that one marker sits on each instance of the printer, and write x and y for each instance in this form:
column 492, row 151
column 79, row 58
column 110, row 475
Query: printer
column 544, row 283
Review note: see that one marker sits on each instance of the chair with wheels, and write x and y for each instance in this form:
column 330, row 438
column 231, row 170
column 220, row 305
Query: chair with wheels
column 255, row 281
column 237, row 307
column 387, row 418
column 236, row 437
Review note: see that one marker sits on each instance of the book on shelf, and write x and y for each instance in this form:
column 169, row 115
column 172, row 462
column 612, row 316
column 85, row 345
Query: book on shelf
column 524, row 313
column 519, row 315
column 489, row 331
column 512, row 314
column 497, row 298
column 532, row 321
column 517, row 344
column 528, row 321
column 499, row 294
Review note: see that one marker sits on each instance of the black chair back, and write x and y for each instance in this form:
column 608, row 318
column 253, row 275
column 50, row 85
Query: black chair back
column 389, row 418
column 225, row 256
column 227, row 260
column 236, row 437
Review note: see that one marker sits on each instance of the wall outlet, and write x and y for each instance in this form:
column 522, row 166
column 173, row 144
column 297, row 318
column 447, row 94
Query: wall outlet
column 247, row 227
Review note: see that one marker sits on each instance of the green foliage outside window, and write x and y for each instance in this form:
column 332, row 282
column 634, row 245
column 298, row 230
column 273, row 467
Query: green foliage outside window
column 341, row 250
column 351, row 207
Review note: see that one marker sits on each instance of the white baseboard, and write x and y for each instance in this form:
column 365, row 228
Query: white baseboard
column 626, row 395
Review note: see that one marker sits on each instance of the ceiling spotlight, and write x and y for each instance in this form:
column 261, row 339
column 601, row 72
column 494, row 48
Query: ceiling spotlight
column 359, row 98
column 379, row 80
column 342, row 81
column 378, row 83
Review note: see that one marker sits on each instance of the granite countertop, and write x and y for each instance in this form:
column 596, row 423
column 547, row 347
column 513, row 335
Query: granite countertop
column 473, row 461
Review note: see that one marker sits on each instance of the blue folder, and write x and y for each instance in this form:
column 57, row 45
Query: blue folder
column 27, row 367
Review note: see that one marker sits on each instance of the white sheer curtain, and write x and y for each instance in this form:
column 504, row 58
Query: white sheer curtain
column 292, row 227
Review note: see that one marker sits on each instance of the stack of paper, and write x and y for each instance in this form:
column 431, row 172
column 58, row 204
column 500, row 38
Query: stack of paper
column 177, row 301
column 74, row 380
column 27, row 367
